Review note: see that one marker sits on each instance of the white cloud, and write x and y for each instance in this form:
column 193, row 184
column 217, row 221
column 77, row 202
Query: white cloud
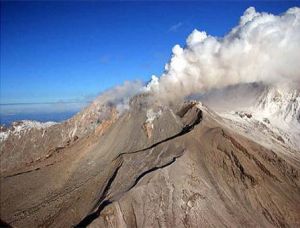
column 175, row 27
column 120, row 95
column 261, row 48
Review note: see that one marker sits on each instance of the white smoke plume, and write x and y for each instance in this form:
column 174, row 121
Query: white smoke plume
column 261, row 48
column 120, row 95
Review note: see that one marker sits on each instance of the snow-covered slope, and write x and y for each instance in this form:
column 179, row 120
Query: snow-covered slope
column 274, row 118
column 281, row 105
column 20, row 127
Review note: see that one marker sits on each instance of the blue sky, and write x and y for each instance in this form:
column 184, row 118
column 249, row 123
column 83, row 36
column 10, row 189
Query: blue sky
column 71, row 51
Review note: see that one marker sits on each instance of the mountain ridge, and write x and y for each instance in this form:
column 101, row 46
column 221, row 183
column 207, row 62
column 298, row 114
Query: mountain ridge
column 151, row 165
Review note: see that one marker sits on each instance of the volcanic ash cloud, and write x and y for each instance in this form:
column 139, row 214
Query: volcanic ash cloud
column 262, row 48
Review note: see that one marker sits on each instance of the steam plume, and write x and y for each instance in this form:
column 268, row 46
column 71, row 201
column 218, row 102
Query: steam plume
column 261, row 48
column 120, row 95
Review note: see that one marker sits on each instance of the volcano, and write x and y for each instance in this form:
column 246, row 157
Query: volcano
column 156, row 165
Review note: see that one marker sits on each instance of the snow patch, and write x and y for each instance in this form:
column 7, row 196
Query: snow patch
column 264, row 130
column 21, row 127
column 3, row 136
column 274, row 118
column 151, row 116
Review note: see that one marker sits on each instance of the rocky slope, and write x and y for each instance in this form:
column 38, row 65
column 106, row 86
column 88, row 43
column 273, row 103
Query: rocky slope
column 150, row 166
column 27, row 142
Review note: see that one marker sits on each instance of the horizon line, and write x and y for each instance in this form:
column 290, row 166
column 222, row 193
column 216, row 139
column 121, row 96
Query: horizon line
column 41, row 103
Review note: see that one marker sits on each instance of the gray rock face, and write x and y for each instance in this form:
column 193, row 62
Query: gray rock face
column 155, row 166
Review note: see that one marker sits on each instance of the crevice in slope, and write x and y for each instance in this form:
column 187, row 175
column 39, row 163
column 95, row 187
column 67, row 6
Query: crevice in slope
column 36, row 162
column 102, row 202
column 237, row 145
column 105, row 202
column 154, row 169
column 20, row 173
column 186, row 129
column 185, row 108
column 243, row 173
column 33, row 209
column 4, row 224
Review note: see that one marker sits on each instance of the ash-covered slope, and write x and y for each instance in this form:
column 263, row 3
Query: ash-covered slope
column 153, row 166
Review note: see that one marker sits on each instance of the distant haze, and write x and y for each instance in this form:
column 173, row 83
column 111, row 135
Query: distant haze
column 39, row 111
column 42, row 117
